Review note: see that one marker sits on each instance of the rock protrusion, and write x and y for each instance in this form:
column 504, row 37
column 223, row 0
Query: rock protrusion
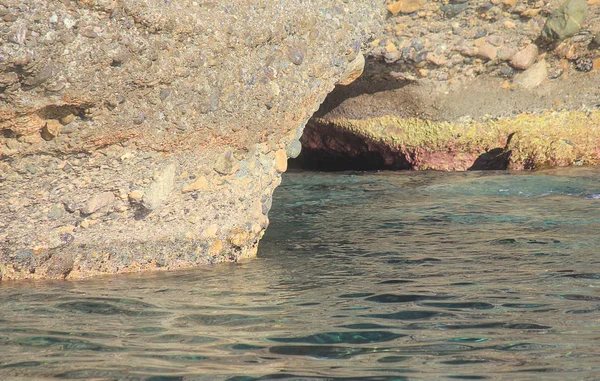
column 565, row 21
column 160, row 188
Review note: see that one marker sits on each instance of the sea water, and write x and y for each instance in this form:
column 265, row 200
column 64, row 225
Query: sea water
column 361, row 276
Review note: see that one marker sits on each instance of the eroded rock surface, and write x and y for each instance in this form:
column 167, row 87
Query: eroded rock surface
column 140, row 135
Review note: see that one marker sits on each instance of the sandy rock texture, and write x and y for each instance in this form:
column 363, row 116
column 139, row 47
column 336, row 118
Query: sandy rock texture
column 455, row 84
column 143, row 135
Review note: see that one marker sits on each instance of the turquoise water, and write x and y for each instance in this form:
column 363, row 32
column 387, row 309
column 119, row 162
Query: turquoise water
column 365, row 276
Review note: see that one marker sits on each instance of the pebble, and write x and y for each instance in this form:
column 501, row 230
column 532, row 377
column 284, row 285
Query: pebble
column 293, row 149
column 200, row 184
column 405, row 6
column 353, row 71
column 295, row 54
column 487, row 51
column 523, row 59
column 506, row 53
column 226, row 164
column 135, row 196
column 281, row 161
column 51, row 129
column 65, row 120
column 97, row 202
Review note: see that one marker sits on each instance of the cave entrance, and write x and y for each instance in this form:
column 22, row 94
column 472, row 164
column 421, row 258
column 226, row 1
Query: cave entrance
column 329, row 146
column 326, row 147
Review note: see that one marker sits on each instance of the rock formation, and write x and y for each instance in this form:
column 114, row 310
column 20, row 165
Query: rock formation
column 456, row 85
column 142, row 135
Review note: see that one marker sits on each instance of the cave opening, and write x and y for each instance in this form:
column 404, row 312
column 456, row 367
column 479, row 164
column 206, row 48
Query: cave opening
column 327, row 147
column 339, row 137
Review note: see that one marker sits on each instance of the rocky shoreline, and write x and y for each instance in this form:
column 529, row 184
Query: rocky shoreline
column 468, row 85
column 145, row 136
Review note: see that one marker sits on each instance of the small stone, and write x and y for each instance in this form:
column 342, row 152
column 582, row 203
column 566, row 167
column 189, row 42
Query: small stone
column 56, row 212
column 530, row 13
column 10, row 17
column 160, row 188
column 506, row 53
column 164, row 94
column 65, row 120
column 405, row 6
column 507, row 71
column 226, row 164
column 140, row 118
column 509, row 3
column 509, row 24
column 584, row 64
column 84, row 224
column 98, row 202
column 51, row 129
column 525, row 57
column 293, row 149
column 238, row 237
column 295, row 55
column 216, row 248
column 200, row 184
column 135, row 196
column 66, row 238
column 353, row 71
column 532, row 77
column 487, row 51
column 281, row 161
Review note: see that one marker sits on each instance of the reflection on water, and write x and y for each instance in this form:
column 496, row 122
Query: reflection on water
column 390, row 276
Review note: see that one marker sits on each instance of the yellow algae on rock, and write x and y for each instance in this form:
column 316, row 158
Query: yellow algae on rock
column 529, row 141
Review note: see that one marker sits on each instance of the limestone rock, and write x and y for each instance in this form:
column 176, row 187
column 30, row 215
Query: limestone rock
column 160, row 188
column 533, row 77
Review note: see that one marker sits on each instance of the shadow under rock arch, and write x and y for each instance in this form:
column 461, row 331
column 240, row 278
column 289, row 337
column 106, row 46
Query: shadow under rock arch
column 375, row 79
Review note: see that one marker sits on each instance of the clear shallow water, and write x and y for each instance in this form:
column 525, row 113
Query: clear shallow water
column 389, row 276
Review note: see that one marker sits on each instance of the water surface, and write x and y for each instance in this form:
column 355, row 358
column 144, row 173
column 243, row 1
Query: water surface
column 361, row 276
